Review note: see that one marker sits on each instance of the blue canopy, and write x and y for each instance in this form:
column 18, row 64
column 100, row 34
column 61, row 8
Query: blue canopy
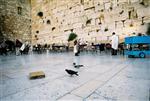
column 137, row 40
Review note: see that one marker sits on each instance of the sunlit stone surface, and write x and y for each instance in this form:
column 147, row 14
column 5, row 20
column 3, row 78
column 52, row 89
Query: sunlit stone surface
column 103, row 77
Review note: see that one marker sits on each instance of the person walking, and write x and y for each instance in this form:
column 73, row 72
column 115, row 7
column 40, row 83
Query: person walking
column 75, row 48
column 22, row 48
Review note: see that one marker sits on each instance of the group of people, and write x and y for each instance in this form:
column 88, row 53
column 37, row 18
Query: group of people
column 23, row 48
column 8, row 46
column 114, row 45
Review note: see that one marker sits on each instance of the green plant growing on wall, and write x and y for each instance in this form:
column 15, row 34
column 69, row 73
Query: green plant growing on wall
column 72, row 36
column 148, row 29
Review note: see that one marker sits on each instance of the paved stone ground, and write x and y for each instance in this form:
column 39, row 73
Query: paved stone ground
column 103, row 78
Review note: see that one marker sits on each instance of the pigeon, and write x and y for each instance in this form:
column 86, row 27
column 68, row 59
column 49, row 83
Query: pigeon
column 77, row 66
column 71, row 72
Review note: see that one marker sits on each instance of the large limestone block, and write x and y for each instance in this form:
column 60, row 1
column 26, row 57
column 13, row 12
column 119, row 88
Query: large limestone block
column 132, row 1
column 77, row 25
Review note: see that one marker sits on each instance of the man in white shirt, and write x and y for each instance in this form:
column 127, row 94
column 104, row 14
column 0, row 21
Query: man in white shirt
column 114, row 43
column 22, row 48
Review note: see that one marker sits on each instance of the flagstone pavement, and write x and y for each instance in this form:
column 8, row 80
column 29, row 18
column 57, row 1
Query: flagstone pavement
column 103, row 78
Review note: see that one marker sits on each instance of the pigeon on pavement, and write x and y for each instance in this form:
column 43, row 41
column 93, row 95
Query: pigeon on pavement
column 77, row 66
column 71, row 72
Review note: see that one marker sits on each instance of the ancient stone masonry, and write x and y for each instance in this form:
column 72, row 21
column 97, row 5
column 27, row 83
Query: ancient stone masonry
column 15, row 20
column 50, row 21
column 92, row 20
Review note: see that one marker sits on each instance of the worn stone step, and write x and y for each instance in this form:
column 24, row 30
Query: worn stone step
column 36, row 75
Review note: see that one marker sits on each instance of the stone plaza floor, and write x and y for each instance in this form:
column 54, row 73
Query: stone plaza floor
column 103, row 78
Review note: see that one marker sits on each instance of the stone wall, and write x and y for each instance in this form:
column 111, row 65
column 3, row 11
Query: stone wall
column 92, row 20
column 52, row 20
column 15, row 19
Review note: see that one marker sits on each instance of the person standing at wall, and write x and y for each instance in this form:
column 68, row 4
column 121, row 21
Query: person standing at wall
column 22, row 48
column 79, row 43
column 114, row 43
column 75, row 48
